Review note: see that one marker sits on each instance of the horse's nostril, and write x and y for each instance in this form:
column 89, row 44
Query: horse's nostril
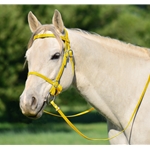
column 33, row 103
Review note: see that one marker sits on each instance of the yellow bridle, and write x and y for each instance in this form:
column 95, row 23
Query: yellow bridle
column 56, row 87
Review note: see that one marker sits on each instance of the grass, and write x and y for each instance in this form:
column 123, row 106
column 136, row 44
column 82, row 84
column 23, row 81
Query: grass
column 49, row 130
column 51, row 134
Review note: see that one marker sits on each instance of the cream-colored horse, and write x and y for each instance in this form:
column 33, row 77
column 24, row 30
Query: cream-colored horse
column 110, row 75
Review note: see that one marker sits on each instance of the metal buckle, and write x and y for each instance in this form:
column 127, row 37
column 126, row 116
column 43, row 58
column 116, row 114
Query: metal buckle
column 49, row 98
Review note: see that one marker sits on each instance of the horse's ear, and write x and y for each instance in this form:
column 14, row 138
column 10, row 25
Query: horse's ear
column 33, row 22
column 57, row 21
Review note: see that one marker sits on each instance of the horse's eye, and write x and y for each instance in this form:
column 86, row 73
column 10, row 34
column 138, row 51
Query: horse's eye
column 55, row 56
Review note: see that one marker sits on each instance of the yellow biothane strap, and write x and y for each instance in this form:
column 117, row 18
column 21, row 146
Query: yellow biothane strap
column 71, row 116
column 44, row 35
column 56, row 87
column 70, row 124
column 42, row 76
column 104, row 139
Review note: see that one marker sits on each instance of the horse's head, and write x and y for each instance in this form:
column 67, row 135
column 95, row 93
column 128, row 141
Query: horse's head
column 50, row 69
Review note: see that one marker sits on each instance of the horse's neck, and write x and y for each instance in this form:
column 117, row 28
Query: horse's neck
column 107, row 79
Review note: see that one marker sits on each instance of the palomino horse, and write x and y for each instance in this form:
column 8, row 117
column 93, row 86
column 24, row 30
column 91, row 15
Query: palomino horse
column 108, row 73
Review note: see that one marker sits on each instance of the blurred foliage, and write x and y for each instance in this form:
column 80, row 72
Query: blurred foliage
column 129, row 23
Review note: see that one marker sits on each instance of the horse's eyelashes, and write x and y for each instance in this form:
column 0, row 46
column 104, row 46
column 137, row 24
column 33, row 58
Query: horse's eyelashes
column 55, row 56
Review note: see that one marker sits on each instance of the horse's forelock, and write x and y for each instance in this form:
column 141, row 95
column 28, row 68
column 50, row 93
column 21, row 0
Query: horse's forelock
column 44, row 28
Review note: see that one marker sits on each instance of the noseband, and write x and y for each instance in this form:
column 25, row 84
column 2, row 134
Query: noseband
column 68, row 53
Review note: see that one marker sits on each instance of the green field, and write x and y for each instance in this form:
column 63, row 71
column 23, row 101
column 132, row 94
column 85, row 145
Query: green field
column 51, row 134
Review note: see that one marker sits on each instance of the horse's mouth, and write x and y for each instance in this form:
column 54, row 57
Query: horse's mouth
column 39, row 112
column 36, row 111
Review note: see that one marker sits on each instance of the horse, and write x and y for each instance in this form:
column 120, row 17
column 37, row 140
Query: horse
column 110, row 75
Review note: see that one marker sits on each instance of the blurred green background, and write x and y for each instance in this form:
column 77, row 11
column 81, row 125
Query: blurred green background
column 128, row 23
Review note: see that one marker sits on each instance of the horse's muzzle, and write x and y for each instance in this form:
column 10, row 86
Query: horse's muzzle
column 31, row 107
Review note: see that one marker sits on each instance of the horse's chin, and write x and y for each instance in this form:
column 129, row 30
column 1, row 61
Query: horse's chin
column 39, row 115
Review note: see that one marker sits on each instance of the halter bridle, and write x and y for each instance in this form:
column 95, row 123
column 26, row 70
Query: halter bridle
column 68, row 53
column 57, row 88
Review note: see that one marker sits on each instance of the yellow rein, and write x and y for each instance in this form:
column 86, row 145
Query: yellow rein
column 104, row 139
column 71, row 116
column 57, row 88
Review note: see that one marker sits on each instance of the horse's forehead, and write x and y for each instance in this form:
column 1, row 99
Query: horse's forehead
column 45, row 44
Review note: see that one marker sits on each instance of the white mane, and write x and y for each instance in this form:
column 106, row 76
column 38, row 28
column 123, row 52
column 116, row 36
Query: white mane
column 115, row 45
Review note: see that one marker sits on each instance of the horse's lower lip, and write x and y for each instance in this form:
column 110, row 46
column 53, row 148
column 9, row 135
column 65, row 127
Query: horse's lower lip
column 39, row 113
column 35, row 116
